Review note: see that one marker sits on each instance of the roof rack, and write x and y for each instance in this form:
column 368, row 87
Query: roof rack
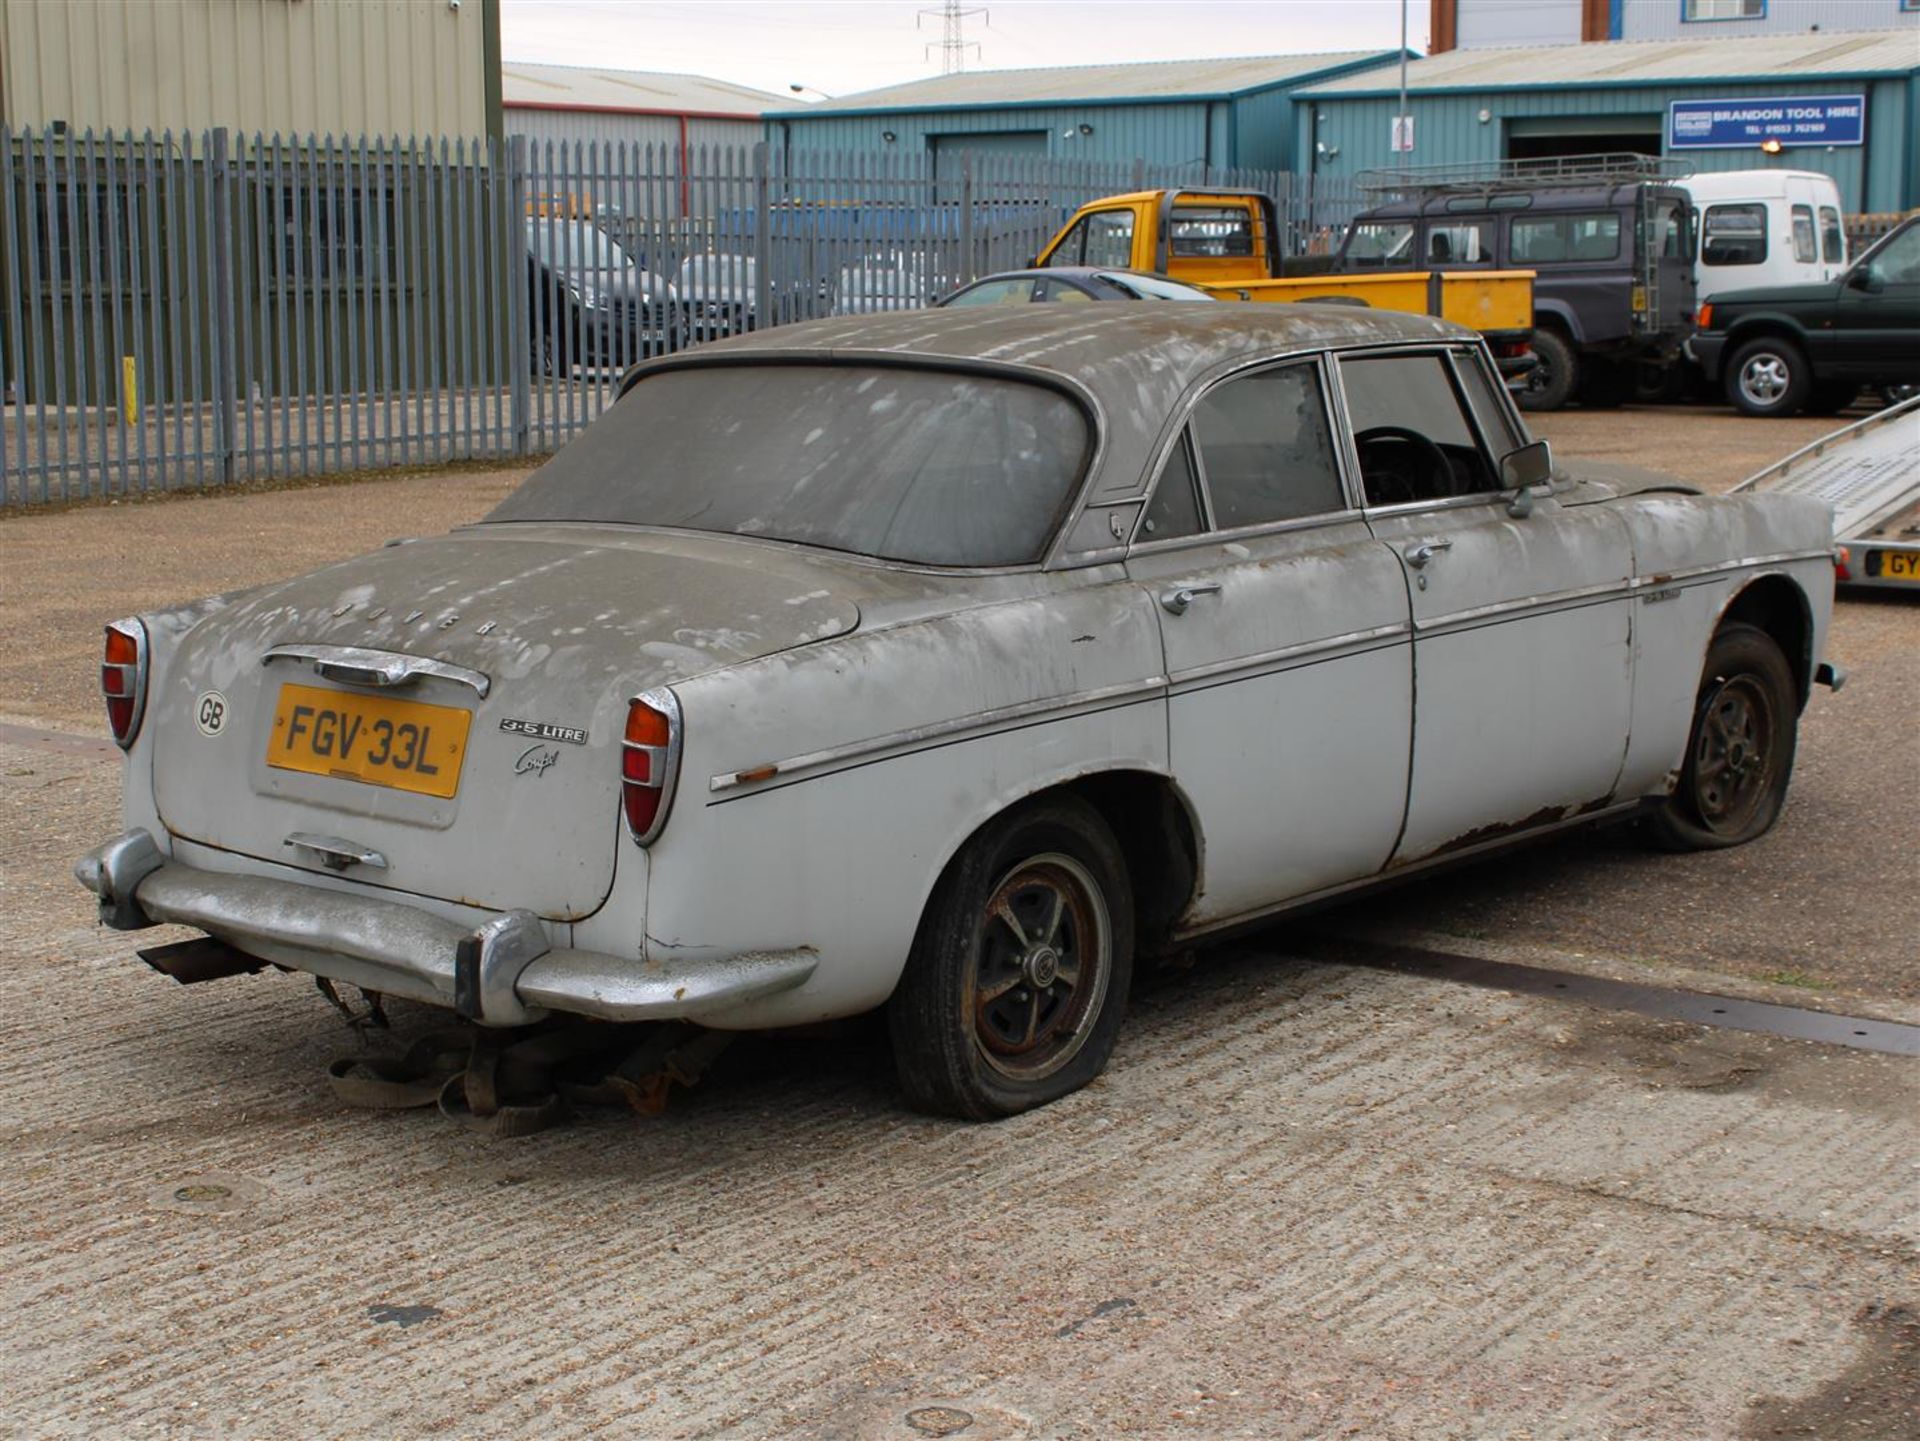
column 1415, row 181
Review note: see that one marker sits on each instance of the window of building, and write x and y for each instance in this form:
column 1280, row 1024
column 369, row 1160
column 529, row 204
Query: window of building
column 1723, row 9
column 1550, row 238
column 1804, row 249
column 1734, row 235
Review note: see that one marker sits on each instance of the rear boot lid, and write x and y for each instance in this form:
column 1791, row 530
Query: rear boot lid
column 444, row 717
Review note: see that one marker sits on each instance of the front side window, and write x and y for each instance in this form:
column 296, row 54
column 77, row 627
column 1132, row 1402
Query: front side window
column 1210, row 231
column 1379, row 243
column 1062, row 290
column 1412, row 430
column 931, row 467
column 1833, row 239
column 1544, row 239
column 1804, row 249
column 1266, row 448
column 1734, row 235
column 1102, row 238
column 1723, row 9
column 1897, row 258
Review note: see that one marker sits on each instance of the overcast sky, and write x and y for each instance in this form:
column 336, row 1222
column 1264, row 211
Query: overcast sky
column 849, row 45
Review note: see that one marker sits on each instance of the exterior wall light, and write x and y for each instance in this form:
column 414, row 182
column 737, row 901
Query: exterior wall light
column 1771, row 145
column 1085, row 129
column 1486, row 116
column 888, row 136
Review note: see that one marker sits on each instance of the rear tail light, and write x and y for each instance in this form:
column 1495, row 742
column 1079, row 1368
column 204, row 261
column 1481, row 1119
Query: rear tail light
column 649, row 762
column 1842, row 563
column 123, row 679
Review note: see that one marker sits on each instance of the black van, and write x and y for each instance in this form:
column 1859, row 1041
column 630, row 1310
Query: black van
column 1609, row 239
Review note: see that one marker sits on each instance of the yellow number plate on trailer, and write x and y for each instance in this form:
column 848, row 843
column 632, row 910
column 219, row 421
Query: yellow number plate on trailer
column 400, row 744
column 1900, row 565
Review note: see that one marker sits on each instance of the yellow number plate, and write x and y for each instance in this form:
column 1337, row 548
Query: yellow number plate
column 1900, row 565
column 382, row 742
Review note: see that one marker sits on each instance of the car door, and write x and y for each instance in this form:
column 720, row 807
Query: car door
column 1285, row 629
column 1521, row 623
column 1878, row 312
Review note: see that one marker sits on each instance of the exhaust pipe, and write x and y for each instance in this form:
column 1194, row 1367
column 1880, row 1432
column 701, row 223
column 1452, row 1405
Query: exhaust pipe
column 205, row 959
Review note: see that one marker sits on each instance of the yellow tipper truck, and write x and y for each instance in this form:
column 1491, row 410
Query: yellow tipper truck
column 1228, row 242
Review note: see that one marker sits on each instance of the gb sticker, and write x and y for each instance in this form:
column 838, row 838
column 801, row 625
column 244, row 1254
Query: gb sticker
column 212, row 714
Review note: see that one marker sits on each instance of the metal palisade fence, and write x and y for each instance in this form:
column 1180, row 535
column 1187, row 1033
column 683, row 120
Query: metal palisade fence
column 192, row 310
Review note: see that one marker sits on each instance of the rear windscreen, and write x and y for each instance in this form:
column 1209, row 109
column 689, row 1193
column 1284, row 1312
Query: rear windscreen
column 927, row 466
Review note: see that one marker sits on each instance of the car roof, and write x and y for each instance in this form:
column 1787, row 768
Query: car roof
column 1135, row 362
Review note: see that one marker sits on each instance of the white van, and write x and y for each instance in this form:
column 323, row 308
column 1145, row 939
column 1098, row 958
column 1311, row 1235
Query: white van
column 1766, row 227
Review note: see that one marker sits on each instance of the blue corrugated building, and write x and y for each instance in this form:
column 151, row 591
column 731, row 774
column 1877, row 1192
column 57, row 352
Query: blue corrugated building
column 1217, row 114
column 1847, row 104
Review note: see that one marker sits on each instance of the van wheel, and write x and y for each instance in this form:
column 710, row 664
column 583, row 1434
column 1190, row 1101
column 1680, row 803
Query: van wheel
column 1017, row 982
column 1733, row 783
column 1769, row 376
column 1549, row 384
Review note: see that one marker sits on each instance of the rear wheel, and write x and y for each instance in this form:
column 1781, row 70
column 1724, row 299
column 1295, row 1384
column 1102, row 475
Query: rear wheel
column 1740, row 751
column 1550, row 383
column 1769, row 376
column 1017, row 981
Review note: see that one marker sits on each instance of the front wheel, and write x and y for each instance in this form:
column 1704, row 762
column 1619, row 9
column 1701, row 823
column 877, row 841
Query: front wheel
column 1769, row 376
column 1733, row 783
column 1017, row 982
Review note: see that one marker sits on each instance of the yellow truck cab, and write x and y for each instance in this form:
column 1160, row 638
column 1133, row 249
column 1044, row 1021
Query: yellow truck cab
column 1228, row 242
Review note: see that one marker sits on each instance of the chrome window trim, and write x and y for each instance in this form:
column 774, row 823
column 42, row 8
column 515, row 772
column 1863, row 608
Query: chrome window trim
column 1247, row 532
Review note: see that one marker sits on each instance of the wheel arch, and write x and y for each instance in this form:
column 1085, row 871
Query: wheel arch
column 1558, row 315
column 1775, row 603
column 1151, row 818
column 1765, row 327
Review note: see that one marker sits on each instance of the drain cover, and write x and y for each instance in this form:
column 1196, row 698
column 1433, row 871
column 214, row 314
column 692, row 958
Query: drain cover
column 939, row 1420
column 214, row 1194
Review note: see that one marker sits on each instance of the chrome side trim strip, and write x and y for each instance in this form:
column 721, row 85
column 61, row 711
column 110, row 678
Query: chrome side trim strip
column 983, row 721
column 381, row 669
column 1527, row 605
column 1292, row 656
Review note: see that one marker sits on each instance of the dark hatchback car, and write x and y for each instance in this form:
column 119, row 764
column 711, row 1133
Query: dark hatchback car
column 1072, row 284
column 1790, row 348
column 592, row 304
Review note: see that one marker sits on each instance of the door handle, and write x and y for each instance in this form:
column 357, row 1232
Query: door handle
column 1417, row 556
column 1175, row 599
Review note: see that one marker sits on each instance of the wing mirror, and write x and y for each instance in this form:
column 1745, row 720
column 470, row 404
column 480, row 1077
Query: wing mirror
column 1523, row 469
column 1867, row 278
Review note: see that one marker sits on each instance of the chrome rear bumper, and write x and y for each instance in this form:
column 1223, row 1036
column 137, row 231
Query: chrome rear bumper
column 504, row 972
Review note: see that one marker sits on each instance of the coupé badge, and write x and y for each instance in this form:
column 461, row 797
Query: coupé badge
column 534, row 761
column 541, row 731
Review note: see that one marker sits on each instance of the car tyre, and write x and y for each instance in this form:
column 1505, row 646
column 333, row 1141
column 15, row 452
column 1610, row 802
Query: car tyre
column 1769, row 376
column 1549, row 385
column 1733, row 782
column 1895, row 394
column 1017, row 982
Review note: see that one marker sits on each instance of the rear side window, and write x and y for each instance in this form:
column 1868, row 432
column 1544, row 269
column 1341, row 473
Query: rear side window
column 1462, row 242
column 1804, row 249
column 1544, row 239
column 933, row 467
column 1734, row 235
column 1210, row 231
column 1833, row 239
column 1176, row 500
column 1267, row 449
